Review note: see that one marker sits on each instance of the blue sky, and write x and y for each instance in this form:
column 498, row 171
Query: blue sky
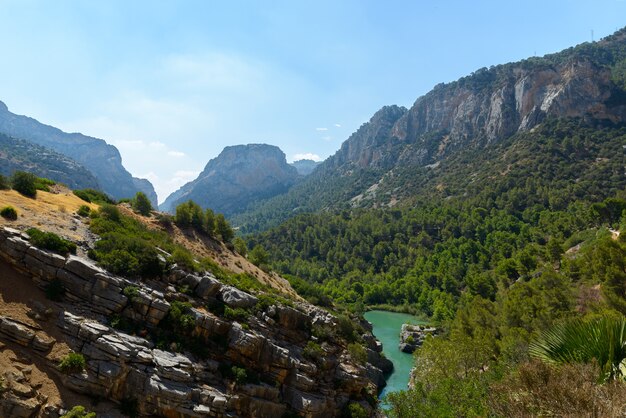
column 171, row 83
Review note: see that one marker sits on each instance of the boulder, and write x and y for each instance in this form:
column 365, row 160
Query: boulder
column 236, row 298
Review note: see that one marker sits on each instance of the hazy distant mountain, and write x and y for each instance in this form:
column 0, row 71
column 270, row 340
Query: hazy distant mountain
column 238, row 177
column 17, row 154
column 387, row 160
column 305, row 167
column 101, row 159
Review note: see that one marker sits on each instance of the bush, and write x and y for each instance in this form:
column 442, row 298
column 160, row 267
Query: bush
column 180, row 316
column 51, row 241
column 223, row 228
column 240, row 246
column 110, row 212
column 358, row 353
column 9, row 212
column 93, row 196
column 131, row 292
column 183, row 258
column 44, row 184
column 24, row 183
column 73, row 363
column 142, row 204
column 190, row 214
column 4, row 183
column 237, row 314
column 239, row 374
column 83, row 211
column 313, row 351
column 55, row 290
column 355, row 410
column 79, row 412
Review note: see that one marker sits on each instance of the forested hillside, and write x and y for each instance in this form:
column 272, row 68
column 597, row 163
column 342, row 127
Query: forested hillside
column 503, row 244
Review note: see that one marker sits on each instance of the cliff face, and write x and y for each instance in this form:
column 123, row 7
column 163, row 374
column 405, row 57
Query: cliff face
column 101, row 159
column 17, row 154
column 257, row 367
column 237, row 177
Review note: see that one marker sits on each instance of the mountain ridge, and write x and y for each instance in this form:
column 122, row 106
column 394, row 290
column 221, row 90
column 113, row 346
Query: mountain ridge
column 101, row 159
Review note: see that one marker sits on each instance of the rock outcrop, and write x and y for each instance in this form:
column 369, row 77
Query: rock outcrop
column 251, row 369
column 239, row 176
column 101, row 159
column 412, row 336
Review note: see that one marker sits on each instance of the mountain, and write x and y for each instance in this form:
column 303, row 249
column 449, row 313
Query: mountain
column 475, row 112
column 17, row 154
column 101, row 159
column 237, row 177
column 305, row 167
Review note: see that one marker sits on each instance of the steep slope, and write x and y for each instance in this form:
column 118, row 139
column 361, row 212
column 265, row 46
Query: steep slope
column 239, row 176
column 17, row 154
column 181, row 343
column 474, row 112
column 101, row 159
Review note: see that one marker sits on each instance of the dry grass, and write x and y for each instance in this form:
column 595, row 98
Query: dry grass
column 541, row 390
column 48, row 211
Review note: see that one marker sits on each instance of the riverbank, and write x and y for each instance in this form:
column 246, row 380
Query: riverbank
column 386, row 327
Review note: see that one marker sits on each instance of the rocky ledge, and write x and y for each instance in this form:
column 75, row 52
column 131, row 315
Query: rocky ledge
column 257, row 367
column 413, row 336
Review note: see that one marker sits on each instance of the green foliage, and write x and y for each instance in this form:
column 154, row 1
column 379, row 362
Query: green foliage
column 348, row 329
column 51, row 241
column 313, row 351
column 131, row 292
column 93, row 196
column 239, row 374
column 602, row 340
column 44, row 184
column 72, row 363
column 236, row 314
column 258, row 256
column 110, row 212
column 24, row 183
column 83, row 211
column 180, row 316
column 223, row 228
column 240, row 246
column 357, row 353
column 183, row 257
column 5, row 184
column 355, row 410
column 79, row 412
column 55, row 290
column 189, row 214
column 142, row 204
column 9, row 212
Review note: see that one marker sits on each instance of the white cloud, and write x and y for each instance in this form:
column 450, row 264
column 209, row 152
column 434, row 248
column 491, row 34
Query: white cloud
column 321, row 129
column 177, row 154
column 306, row 156
column 337, row 125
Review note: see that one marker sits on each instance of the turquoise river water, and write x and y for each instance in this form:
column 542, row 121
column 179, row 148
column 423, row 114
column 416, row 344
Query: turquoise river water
column 387, row 329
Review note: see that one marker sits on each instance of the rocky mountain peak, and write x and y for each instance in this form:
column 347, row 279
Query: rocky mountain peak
column 239, row 175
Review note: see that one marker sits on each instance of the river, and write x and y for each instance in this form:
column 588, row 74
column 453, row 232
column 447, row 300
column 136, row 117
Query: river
column 387, row 329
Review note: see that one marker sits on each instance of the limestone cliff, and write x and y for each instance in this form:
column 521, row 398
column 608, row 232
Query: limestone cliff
column 101, row 159
column 237, row 177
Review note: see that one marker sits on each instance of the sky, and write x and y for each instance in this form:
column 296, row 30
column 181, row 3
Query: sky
column 171, row 83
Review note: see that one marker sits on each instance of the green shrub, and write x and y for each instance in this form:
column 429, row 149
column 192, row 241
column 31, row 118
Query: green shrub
column 313, row 351
column 73, row 363
column 79, row 412
column 240, row 246
column 4, row 183
column 181, row 317
column 131, row 292
column 358, row 353
column 165, row 219
column 347, row 328
column 51, row 241
column 183, row 258
column 223, row 228
column 93, row 196
column 55, row 290
column 9, row 212
column 24, row 183
column 110, row 212
column 239, row 374
column 236, row 314
column 83, row 211
column 142, row 204
column 190, row 214
column 44, row 184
